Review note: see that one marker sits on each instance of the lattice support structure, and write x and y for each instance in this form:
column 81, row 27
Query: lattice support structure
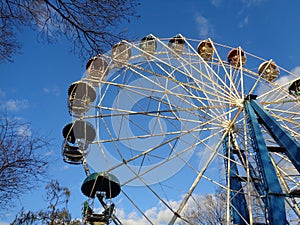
column 275, row 201
column 237, row 195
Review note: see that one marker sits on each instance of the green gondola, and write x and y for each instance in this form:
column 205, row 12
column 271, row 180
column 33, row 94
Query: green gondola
column 294, row 89
column 101, row 182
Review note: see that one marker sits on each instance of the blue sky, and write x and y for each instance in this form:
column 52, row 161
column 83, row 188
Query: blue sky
column 34, row 87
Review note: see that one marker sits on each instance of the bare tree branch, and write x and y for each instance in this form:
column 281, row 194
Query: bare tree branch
column 22, row 159
column 209, row 210
column 90, row 25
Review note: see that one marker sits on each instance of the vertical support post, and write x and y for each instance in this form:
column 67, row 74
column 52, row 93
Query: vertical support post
column 275, row 201
column 237, row 196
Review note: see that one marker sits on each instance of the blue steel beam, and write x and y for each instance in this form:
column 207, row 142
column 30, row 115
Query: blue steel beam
column 256, row 179
column 239, row 210
column 275, row 201
column 279, row 134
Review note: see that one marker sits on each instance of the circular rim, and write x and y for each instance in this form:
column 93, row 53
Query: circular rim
column 203, row 101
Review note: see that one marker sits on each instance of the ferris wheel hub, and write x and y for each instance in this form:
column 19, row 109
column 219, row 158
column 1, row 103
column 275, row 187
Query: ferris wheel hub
column 238, row 103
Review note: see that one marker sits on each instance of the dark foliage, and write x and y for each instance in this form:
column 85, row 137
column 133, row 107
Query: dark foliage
column 57, row 212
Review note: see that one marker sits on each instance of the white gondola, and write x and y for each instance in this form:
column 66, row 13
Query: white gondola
column 97, row 68
column 268, row 70
column 121, row 53
column 206, row 50
column 148, row 46
column 81, row 96
column 176, row 44
column 236, row 57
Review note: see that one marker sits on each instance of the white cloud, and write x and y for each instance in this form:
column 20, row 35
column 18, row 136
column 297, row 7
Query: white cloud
column 52, row 90
column 24, row 130
column 5, row 216
column 250, row 3
column 65, row 168
column 244, row 22
column 157, row 215
column 50, row 153
column 216, row 2
column 204, row 27
column 14, row 105
column 247, row 5
column 2, row 93
column 296, row 70
column 284, row 80
column 288, row 78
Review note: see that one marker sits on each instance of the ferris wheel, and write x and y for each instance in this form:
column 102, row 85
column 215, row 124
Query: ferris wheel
column 164, row 122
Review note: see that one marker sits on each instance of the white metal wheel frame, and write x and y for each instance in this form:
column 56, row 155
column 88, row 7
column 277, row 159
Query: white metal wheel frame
column 162, row 119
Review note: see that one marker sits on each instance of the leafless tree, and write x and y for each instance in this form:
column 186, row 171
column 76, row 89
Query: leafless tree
column 22, row 159
column 207, row 210
column 91, row 25
column 57, row 212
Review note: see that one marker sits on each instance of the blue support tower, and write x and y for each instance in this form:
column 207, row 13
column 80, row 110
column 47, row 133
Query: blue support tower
column 274, row 196
column 237, row 195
